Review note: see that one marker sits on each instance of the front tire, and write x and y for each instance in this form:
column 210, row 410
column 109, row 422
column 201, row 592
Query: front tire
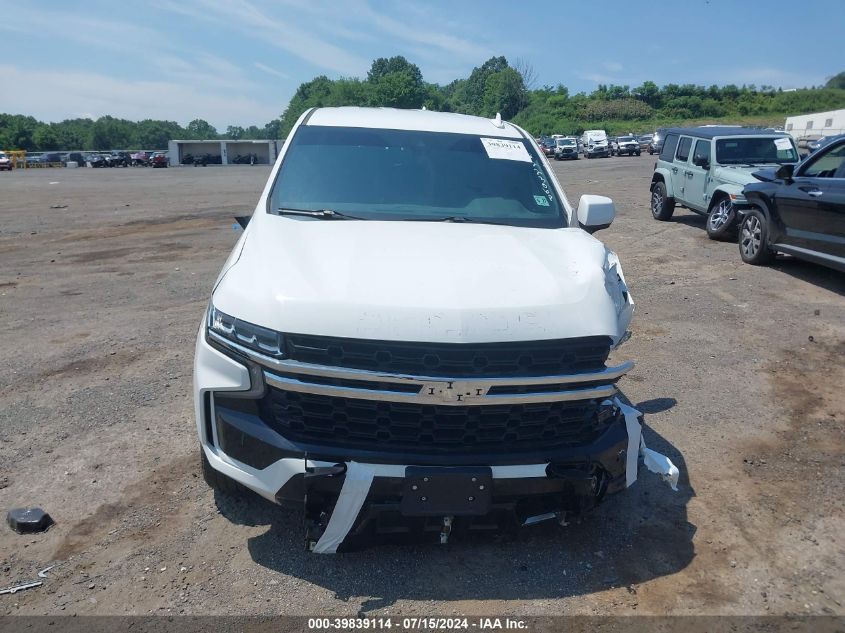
column 662, row 207
column 721, row 220
column 753, row 239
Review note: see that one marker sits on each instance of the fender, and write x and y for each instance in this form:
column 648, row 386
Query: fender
column 731, row 191
column 661, row 174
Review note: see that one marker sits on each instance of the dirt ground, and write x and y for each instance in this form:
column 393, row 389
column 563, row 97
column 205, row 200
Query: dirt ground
column 739, row 370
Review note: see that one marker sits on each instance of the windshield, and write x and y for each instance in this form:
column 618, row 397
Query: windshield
column 755, row 151
column 625, row 139
column 565, row 141
column 378, row 174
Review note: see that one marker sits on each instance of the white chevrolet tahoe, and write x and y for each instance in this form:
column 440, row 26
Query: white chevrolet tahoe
column 410, row 336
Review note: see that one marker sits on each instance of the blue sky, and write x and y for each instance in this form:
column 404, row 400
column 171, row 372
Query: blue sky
column 237, row 62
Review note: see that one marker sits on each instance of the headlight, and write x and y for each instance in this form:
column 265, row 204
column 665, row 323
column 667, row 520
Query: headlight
column 253, row 337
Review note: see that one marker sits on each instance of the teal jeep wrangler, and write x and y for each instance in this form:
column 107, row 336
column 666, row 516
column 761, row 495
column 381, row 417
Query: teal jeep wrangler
column 705, row 168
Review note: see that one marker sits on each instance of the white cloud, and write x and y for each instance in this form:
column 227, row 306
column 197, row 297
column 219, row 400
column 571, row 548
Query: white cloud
column 596, row 78
column 299, row 40
column 271, row 71
column 613, row 67
column 94, row 95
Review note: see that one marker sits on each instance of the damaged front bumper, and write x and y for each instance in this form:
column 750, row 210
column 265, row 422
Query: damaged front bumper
column 354, row 492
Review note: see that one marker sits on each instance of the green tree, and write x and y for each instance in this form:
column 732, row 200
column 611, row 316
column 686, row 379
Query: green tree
column 111, row 133
column 45, row 138
column 837, row 81
column 201, row 130
column 273, row 130
column 469, row 96
column 384, row 66
column 235, row 132
column 648, row 92
column 504, row 92
column 152, row 134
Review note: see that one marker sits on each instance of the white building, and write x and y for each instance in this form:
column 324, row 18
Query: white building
column 265, row 151
column 817, row 124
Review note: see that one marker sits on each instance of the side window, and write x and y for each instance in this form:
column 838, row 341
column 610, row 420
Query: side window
column 827, row 165
column 702, row 152
column 669, row 146
column 683, row 149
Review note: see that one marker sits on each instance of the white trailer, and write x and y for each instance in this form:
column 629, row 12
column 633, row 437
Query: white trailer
column 817, row 124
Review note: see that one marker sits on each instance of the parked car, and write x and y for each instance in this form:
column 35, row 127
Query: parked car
column 139, row 159
column 52, row 158
column 159, row 159
column 96, row 160
column 548, row 146
column 76, row 157
column 413, row 404
column 645, row 141
column 657, row 138
column 566, row 148
column 704, row 169
column 595, row 143
column 822, row 142
column 627, row 145
column 5, row 162
column 118, row 159
column 798, row 210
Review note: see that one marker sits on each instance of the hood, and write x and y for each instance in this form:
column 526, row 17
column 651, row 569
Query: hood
column 420, row 281
column 735, row 174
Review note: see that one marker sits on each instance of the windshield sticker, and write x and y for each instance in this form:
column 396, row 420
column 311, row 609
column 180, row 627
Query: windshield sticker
column 505, row 150
column 543, row 182
column 783, row 143
column 541, row 201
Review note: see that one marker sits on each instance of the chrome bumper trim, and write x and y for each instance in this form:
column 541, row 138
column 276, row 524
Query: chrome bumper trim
column 456, row 394
column 293, row 375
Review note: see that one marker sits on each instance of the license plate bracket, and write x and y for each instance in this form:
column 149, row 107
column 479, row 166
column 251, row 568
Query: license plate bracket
column 447, row 491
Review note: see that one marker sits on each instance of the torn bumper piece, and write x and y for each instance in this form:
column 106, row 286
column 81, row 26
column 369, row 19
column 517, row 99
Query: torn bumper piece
column 354, row 500
column 343, row 527
column 395, row 503
column 654, row 461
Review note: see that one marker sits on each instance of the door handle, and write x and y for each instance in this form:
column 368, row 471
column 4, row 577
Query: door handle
column 688, row 174
column 674, row 170
column 812, row 191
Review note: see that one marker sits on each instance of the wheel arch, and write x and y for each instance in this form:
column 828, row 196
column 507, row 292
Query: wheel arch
column 662, row 175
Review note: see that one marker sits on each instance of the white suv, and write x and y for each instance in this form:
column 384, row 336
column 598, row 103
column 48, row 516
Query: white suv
column 412, row 331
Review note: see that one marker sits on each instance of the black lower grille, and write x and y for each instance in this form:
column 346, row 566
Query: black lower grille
column 367, row 424
column 520, row 358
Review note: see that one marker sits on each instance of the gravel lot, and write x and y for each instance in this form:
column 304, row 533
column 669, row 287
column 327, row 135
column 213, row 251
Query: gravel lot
column 740, row 371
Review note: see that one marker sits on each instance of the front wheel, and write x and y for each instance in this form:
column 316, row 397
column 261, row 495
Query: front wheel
column 662, row 207
column 753, row 239
column 721, row 220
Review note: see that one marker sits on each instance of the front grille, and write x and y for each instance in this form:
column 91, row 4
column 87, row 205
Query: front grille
column 520, row 358
column 409, row 427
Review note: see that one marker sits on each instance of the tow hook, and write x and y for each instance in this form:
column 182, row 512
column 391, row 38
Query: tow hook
column 446, row 530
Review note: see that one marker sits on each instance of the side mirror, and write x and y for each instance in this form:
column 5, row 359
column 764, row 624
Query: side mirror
column 595, row 213
column 701, row 161
column 785, row 172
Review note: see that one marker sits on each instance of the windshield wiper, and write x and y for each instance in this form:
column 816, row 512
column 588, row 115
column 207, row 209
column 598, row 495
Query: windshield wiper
column 323, row 214
column 448, row 218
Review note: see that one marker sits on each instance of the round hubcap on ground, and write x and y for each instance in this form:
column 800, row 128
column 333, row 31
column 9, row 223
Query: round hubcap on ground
column 752, row 232
column 656, row 202
column 719, row 216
